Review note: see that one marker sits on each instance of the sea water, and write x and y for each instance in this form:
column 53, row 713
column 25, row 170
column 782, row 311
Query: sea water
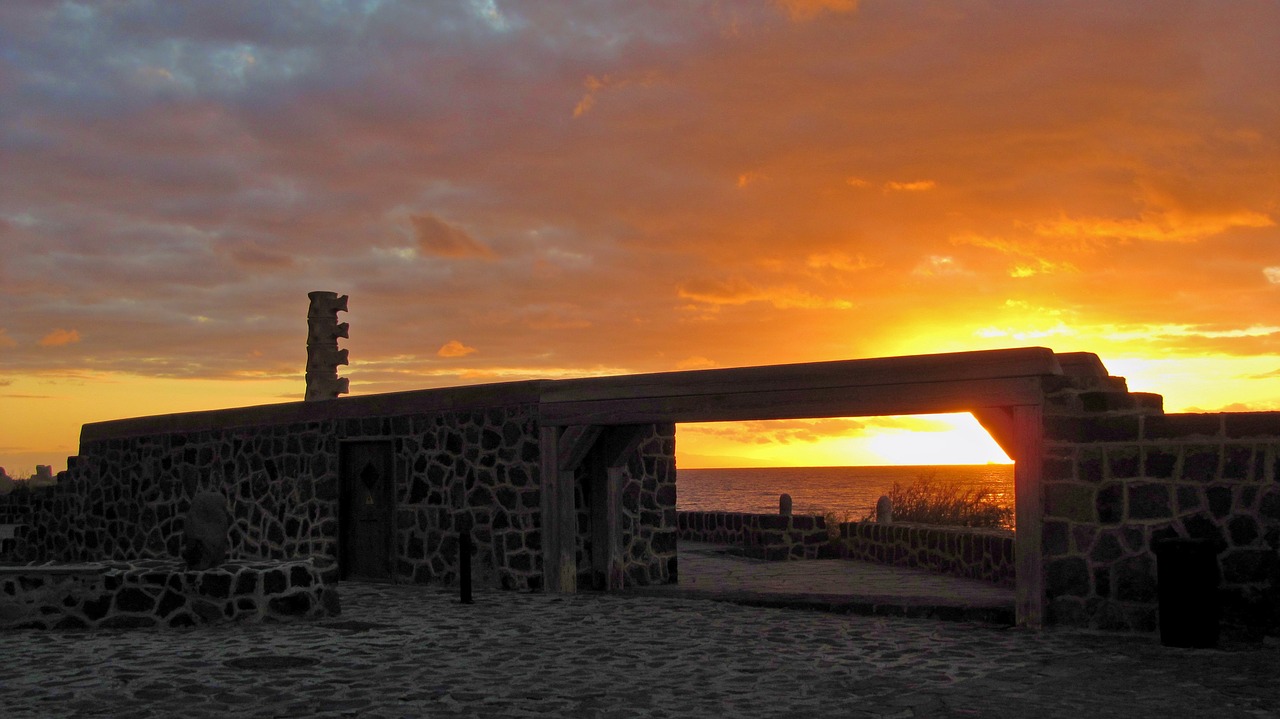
column 846, row 491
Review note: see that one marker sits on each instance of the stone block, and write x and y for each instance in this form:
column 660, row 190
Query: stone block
column 1066, row 576
column 1072, row 501
column 1066, row 611
column 1181, row 426
column 1242, row 566
column 1245, row 499
column 1200, row 462
column 1202, row 526
column 133, row 599
column 1237, row 462
column 1243, row 531
column 1056, row 538
column 1190, row 498
column 1110, row 503
column 1220, row 500
column 1240, row 425
column 1269, row 509
column 215, row 584
column 1107, row 548
column 1060, row 469
column 1135, row 579
column 1149, row 501
column 1123, row 462
column 1090, row 465
column 1102, row 582
column 297, row 604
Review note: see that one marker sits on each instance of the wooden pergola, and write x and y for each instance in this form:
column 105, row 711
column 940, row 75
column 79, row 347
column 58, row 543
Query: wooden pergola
column 1003, row 389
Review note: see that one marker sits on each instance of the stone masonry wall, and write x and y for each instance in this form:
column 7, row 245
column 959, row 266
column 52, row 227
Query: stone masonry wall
column 484, row 463
column 763, row 536
column 124, row 498
column 648, row 513
column 981, row 554
column 1114, row 485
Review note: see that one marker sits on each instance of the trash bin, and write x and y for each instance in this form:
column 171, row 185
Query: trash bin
column 1187, row 570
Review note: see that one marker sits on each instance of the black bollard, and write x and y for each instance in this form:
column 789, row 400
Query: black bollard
column 464, row 558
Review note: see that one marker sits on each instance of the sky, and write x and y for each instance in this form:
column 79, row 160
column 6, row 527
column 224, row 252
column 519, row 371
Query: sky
column 517, row 190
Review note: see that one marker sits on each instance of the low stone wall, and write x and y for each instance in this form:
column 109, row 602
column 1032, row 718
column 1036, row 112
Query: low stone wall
column 763, row 536
column 163, row 593
column 961, row 551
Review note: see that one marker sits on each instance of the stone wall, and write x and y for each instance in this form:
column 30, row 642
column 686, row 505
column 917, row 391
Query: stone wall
column 974, row 553
column 162, row 593
column 960, row 551
column 763, row 536
column 1116, row 484
column 472, row 451
column 648, row 513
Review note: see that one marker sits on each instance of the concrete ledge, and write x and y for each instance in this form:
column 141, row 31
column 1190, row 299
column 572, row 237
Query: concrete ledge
column 879, row 606
column 162, row 593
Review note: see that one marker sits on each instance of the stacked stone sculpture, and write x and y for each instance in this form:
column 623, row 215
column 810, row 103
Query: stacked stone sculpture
column 323, row 355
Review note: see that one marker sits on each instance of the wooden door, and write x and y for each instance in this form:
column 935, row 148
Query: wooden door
column 366, row 510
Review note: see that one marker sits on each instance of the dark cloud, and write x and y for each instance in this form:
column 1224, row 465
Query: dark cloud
column 441, row 239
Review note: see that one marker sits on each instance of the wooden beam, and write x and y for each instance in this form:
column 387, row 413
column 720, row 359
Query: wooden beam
column 912, row 370
column 1028, row 432
column 998, row 421
column 730, row 405
column 621, row 442
column 575, row 443
column 559, row 520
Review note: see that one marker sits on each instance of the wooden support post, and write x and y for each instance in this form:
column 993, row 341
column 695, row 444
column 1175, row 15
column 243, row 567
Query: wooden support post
column 559, row 521
column 618, row 446
column 606, row 527
column 1028, row 432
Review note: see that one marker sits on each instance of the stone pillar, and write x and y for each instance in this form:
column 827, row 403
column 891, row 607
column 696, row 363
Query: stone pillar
column 323, row 355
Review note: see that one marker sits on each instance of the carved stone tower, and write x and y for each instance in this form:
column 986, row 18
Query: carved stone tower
column 323, row 355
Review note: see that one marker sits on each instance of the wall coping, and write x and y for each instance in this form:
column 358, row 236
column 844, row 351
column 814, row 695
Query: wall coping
column 390, row 404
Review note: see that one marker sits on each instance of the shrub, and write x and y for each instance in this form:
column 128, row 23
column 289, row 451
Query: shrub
column 928, row 501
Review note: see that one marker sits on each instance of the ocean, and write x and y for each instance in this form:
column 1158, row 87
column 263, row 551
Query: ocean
column 851, row 491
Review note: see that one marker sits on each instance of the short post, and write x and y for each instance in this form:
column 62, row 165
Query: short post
column 884, row 509
column 784, row 505
column 463, row 520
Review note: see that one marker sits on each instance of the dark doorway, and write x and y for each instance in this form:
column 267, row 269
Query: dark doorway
column 365, row 510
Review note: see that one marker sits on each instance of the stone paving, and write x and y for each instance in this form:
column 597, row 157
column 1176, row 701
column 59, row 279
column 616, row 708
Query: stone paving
column 414, row 651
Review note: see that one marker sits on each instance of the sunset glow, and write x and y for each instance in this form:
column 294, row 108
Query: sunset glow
column 512, row 190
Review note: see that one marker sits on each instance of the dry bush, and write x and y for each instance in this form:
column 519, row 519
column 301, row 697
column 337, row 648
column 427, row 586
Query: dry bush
column 928, row 501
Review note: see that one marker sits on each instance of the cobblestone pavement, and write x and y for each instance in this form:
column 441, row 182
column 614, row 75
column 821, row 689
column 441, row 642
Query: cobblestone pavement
column 413, row 651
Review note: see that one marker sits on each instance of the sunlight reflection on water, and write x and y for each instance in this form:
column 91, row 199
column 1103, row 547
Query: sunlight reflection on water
column 851, row 491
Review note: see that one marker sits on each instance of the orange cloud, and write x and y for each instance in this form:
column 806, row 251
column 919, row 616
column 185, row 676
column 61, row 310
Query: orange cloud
column 442, row 239
column 838, row 261
column 938, row 266
column 1152, row 227
column 740, row 292
column 454, row 348
column 60, row 337
column 800, row 10
column 915, row 186
column 6, row 340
